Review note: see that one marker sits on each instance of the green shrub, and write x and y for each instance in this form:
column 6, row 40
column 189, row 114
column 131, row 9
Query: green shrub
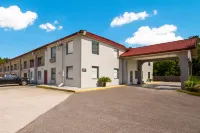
column 104, row 80
column 192, row 84
column 149, row 80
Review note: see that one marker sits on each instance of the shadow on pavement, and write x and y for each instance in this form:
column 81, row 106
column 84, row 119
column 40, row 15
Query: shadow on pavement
column 162, row 86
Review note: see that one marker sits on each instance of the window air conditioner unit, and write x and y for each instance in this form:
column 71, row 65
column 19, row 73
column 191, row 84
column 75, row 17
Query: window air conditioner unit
column 52, row 60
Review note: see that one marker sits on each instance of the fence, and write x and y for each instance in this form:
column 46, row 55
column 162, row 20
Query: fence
column 167, row 78
column 170, row 78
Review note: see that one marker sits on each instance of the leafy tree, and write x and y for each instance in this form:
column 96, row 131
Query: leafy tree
column 171, row 67
column 3, row 60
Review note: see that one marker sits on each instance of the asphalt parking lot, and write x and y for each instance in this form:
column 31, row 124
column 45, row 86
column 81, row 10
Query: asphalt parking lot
column 22, row 104
column 122, row 110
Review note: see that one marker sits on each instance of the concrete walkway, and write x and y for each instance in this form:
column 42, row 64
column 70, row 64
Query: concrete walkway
column 123, row 110
column 21, row 105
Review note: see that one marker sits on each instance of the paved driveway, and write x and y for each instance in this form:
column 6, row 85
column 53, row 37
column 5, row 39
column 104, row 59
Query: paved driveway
column 163, row 85
column 19, row 105
column 122, row 110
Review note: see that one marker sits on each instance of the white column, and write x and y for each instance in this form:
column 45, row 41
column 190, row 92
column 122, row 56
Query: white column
column 35, row 67
column 184, row 67
column 140, row 63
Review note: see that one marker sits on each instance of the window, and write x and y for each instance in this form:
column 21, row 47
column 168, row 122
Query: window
column 149, row 75
column 53, row 52
column 116, row 73
column 8, row 68
column 39, row 75
column 11, row 67
column 116, row 53
column 69, row 72
column 25, row 64
column 15, row 66
column 149, row 63
column 69, row 47
column 40, row 61
column 4, row 69
column 31, row 63
column 95, row 72
column 53, row 73
column 95, row 47
column 0, row 69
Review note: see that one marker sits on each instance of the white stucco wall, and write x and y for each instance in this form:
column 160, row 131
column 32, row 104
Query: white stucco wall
column 74, row 60
column 62, row 61
column 132, row 66
column 106, row 61
column 146, row 68
column 41, row 81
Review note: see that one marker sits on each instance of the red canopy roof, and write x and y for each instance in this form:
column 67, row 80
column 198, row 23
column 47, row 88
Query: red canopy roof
column 163, row 47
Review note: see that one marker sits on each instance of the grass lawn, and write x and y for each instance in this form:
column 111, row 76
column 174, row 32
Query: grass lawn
column 189, row 92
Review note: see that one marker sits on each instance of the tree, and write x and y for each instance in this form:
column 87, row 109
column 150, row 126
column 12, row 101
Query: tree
column 170, row 67
column 2, row 60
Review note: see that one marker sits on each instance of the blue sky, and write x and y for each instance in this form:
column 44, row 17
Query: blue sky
column 175, row 19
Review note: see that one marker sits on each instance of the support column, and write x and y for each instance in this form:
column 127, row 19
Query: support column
column 10, row 67
column 190, row 68
column 184, row 67
column 140, row 74
column 124, row 71
column 3, row 69
column 20, row 67
column 35, row 67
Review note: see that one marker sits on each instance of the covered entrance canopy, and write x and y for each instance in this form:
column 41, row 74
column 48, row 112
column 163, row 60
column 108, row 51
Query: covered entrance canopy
column 184, row 50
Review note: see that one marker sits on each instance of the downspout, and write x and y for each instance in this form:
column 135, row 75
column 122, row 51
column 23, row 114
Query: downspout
column 63, row 75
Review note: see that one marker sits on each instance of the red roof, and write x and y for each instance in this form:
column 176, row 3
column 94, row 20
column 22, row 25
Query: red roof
column 99, row 38
column 163, row 47
column 96, row 37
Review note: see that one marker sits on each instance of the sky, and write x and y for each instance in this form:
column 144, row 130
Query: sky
column 25, row 25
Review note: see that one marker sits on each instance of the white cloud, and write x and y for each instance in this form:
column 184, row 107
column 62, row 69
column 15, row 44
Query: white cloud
column 13, row 18
column 48, row 27
column 148, row 36
column 155, row 12
column 128, row 17
column 56, row 22
column 60, row 27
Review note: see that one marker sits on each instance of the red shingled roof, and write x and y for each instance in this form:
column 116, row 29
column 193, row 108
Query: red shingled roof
column 163, row 47
column 89, row 34
column 99, row 38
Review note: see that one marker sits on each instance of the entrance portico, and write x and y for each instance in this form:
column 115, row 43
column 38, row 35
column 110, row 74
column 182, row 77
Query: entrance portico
column 132, row 60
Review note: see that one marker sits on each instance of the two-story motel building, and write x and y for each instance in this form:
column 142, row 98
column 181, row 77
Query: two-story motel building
column 78, row 60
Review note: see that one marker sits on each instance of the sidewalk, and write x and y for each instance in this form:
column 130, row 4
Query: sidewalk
column 76, row 89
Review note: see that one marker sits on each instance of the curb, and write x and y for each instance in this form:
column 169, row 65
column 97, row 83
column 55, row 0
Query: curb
column 96, row 89
column 188, row 92
column 80, row 90
column 54, row 88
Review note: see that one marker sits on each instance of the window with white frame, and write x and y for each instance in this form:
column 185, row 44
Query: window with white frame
column 149, row 63
column 95, row 72
column 53, row 52
column 69, row 47
column 53, row 73
column 69, row 72
column 39, row 75
column 95, row 47
column 116, row 53
column 116, row 73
